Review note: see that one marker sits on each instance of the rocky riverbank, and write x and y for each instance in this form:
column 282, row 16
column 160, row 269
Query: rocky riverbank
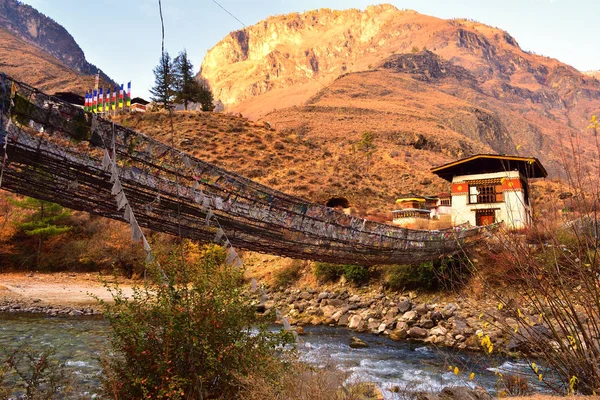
column 459, row 323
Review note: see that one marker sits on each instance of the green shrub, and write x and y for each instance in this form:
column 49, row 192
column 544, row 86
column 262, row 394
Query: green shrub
column 288, row 275
column 179, row 341
column 326, row 272
column 356, row 274
column 447, row 273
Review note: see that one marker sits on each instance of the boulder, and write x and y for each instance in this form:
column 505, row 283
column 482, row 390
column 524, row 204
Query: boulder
column 343, row 321
column 449, row 310
column 416, row 332
column 355, row 322
column 373, row 324
column 409, row 316
column 356, row 343
column 404, row 306
column 438, row 331
column 422, row 309
column 391, row 313
column 456, row 393
column 426, row 323
column 323, row 295
column 335, row 302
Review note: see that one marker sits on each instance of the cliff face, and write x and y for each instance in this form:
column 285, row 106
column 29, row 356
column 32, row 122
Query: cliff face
column 33, row 27
column 318, row 70
column 296, row 49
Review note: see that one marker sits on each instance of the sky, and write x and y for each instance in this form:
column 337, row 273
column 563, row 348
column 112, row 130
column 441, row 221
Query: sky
column 123, row 37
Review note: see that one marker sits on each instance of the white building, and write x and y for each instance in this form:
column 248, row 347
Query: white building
column 489, row 188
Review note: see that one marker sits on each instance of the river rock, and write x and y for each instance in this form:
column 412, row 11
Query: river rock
column 343, row 321
column 409, row 316
column 416, row 332
column 382, row 327
column 456, row 393
column 426, row 323
column 356, row 343
column 438, row 331
column 391, row 313
column 328, row 311
column 323, row 295
column 422, row 309
column 335, row 302
column 449, row 310
column 436, row 316
column 337, row 315
column 354, row 299
column 355, row 321
column 404, row 306
column 373, row 324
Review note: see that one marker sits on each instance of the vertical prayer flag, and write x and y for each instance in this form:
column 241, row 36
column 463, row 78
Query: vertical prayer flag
column 121, row 97
column 85, row 102
column 129, row 94
column 107, row 106
column 95, row 101
column 114, row 98
column 101, row 101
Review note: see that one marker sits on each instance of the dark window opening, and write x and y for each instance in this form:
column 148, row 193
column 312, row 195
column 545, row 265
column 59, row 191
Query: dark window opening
column 338, row 202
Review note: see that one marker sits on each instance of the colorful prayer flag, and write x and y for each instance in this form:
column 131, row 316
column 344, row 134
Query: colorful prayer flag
column 129, row 94
column 95, row 101
column 114, row 98
column 121, row 97
column 85, row 102
column 101, row 101
column 107, row 106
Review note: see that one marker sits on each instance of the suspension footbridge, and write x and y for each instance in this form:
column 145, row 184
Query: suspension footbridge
column 55, row 151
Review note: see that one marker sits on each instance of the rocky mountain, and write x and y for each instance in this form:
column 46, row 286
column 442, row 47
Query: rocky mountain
column 595, row 74
column 446, row 87
column 33, row 27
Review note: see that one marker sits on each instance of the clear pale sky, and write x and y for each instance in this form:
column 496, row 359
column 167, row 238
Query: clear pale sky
column 124, row 37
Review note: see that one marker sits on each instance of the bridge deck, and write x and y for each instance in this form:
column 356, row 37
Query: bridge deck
column 57, row 152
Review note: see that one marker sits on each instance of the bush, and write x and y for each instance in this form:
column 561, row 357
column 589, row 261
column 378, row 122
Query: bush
column 356, row 274
column 288, row 274
column 326, row 272
column 29, row 373
column 193, row 340
column 447, row 273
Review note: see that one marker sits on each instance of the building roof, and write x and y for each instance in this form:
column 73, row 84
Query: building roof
column 139, row 100
column 531, row 167
column 419, row 210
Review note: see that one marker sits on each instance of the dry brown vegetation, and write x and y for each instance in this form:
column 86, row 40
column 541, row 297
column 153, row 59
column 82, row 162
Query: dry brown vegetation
column 30, row 64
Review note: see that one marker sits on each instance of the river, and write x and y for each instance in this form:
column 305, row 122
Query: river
column 80, row 342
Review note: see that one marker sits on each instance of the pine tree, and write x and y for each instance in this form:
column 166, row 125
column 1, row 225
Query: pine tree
column 44, row 222
column 188, row 89
column 164, row 91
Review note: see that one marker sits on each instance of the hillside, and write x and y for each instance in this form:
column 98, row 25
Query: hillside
column 29, row 64
column 463, row 86
column 33, row 27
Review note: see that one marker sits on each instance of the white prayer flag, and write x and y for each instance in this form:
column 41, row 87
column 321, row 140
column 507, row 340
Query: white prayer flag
column 116, row 188
column 128, row 213
column 136, row 231
column 106, row 161
column 209, row 215
column 231, row 255
column 219, row 235
column 146, row 245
